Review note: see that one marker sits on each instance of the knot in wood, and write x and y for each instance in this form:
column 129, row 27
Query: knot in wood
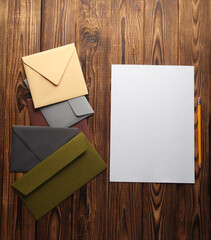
column 93, row 39
column 21, row 95
column 139, row 5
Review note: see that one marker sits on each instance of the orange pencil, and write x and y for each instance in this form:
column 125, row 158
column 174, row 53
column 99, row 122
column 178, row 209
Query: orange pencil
column 199, row 131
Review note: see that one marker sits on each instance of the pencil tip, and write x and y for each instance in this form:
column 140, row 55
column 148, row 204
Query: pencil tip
column 199, row 165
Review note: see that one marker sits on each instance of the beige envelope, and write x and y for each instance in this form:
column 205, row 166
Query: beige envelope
column 54, row 75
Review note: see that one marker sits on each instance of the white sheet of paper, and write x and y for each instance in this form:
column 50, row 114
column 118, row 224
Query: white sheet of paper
column 152, row 124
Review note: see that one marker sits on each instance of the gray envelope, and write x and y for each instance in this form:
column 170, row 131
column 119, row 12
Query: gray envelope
column 67, row 113
column 31, row 145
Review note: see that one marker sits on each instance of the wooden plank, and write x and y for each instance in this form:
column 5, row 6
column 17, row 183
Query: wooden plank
column 58, row 23
column 184, row 192
column 194, row 49
column 22, row 36
column 93, row 46
column 161, row 44
column 126, row 199
column 3, row 74
column 58, row 28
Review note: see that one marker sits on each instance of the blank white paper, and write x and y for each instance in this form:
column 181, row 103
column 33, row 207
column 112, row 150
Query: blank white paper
column 152, row 124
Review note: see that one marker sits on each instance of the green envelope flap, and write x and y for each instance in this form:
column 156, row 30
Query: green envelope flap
column 59, row 176
column 51, row 165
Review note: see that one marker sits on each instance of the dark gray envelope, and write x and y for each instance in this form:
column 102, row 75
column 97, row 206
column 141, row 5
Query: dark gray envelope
column 31, row 145
column 67, row 113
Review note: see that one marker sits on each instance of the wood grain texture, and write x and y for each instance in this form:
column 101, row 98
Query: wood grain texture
column 161, row 43
column 93, row 46
column 193, row 51
column 153, row 205
column 107, row 32
column 22, row 38
column 3, row 74
column 126, row 199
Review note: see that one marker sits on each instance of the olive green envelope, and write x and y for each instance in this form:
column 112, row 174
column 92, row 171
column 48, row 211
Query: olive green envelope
column 59, row 175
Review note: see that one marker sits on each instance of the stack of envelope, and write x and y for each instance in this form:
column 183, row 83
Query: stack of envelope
column 55, row 150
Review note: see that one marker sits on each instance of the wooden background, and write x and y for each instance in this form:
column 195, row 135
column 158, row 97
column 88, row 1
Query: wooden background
column 175, row 32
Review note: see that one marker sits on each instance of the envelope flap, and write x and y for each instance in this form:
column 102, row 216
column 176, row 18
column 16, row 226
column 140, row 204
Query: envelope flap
column 22, row 159
column 80, row 106
column 52, row 63
column 43, row 141
column 51, row 165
